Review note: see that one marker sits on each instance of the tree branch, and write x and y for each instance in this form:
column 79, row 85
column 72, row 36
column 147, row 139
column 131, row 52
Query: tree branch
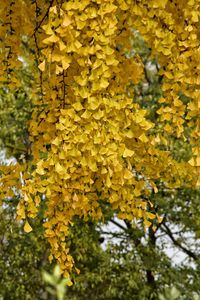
column 118, row 225
column 46, row 14
column 178, row 244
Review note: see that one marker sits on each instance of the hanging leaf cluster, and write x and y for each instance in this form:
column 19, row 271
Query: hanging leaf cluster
column 89, row 141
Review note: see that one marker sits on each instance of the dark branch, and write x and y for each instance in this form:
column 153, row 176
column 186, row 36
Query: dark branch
column 178, row 244
column 44, row 17
column 118, row 225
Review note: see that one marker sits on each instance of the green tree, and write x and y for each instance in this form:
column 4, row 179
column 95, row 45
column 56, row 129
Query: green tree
column 22, row 257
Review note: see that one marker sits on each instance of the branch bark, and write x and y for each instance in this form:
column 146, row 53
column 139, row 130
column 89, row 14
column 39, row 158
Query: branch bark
column 118, row 225
column 178, row 244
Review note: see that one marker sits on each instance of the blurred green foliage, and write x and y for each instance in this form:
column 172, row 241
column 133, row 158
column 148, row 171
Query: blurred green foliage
column 22, row 258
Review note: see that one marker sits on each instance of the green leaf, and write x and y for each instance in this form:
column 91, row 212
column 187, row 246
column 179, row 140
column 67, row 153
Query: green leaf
column 48, row 278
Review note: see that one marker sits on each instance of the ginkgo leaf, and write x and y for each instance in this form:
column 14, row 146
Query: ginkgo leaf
column 48, row 29
column 150, row 215
column 62, row 45
column 98, row 115
column 60, row 169
column 143, row 138
column 65, row 64
column 178, row 102
column 42, row 66
column 147, row 223
column 69, row 282
column 128, row 153
column 59, row 69
column 159, row 218
column 78, row 106
column 86, row 114
column 53, row 9
column 40, row 168
column 128, row 174
column 52, row 39
column 27, row 227
column 104, row 83
column 66, row 21
column 21, row 211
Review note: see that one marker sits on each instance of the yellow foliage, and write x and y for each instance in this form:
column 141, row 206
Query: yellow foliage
column 27, row 227
column 95, row 140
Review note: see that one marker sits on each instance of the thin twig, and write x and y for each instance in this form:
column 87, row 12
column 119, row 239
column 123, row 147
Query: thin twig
column 46, row 14
column 178, row 244
column 118, row 225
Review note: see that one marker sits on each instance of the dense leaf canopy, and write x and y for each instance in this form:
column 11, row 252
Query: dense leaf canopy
column 88, row 142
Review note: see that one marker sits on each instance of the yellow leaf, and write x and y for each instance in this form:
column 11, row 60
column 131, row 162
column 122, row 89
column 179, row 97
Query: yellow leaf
column 80, row 24
column 128, row 174
column 58, row 69
column 27, row 227
column 60, row 169
column 93, row 103
column 110, row 60
column 86, row 114
column 92, row 166
column 65, row 64
column 80, row 80
column 56, row 141
column 26, row 197
column 147, row 223
column 50, row 257
column 62, row 46
column 69, row 282
column 128, row 152
column 168, row 128
column 108, row 181
column 159, row 218
column 178, row 102
column 192, row 162
column 143, row 138
column 21, row 211
column 195, row 16
column 53, row 9
column 98, row 115
column 42, row 66
column 97, row 64
column 77, row 271
column 40, row 169
column 129, row 134
column 52, row 39
column 150, row 215
column 48, row 30
column 77, row 106
column 104, row 83
column 67, row 21
column 77, row 44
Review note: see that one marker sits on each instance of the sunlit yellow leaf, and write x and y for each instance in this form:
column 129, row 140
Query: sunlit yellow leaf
column 42, row 66
column 128, row 153
column 52, row 39
column 40, row 168
column 27, row 227
column 150, row 215
column 60, row 169
column 66, row 21
column 147, row 223
column 143, row 138
column 128, row 174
